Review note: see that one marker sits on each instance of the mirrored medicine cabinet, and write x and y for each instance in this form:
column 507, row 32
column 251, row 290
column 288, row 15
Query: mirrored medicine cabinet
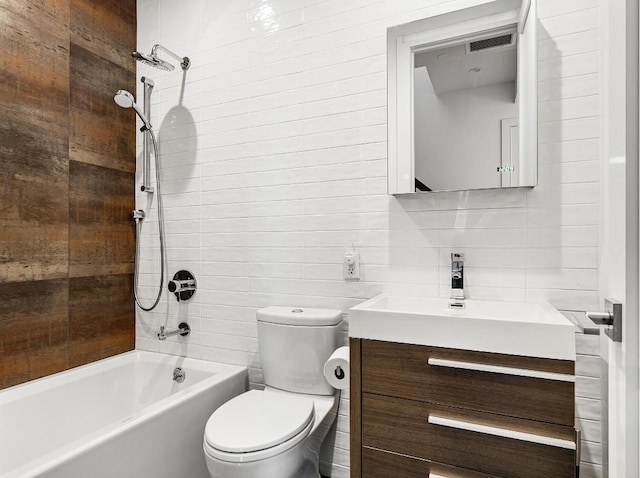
column 462, row 99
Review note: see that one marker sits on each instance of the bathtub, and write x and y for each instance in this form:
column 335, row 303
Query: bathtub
column 121, row 417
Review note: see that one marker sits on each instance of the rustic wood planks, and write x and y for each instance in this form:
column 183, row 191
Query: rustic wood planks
column 67, row 157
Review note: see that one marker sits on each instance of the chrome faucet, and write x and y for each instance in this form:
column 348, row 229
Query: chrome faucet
column 183, row 330
column 457, row 276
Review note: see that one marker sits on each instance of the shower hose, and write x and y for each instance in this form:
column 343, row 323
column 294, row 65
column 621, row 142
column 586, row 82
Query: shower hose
column 138, row 221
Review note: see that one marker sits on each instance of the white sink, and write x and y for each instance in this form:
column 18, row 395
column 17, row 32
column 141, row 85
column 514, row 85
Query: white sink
column 533, row 329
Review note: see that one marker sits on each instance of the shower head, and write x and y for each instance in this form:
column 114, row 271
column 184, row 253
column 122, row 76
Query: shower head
column 125, row 99
column 152, row 59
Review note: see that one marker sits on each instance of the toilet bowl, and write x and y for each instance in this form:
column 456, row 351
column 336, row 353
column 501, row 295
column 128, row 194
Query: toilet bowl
column 277, row 432
column 268, row 433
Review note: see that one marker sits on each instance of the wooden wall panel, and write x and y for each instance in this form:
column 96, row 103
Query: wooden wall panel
column 101, row 177
column 101, row 132
column 42, row 12
column 34, row 144
column 34, row 197
column 101, row 229
column 34, row 327
column 106, row 28
column 100, row 321
column 56, row 100
column 35, row 55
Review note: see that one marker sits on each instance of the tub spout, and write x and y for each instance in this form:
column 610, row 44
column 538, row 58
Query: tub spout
column 183, row 330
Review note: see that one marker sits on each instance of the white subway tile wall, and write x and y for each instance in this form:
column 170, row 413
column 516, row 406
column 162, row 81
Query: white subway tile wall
column 590, row 405
column 273, row 164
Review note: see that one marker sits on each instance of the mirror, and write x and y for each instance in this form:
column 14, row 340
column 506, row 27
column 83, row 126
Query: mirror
column 462, row 97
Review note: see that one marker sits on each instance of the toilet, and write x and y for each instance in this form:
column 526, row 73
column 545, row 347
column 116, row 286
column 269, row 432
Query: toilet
column 277, row 432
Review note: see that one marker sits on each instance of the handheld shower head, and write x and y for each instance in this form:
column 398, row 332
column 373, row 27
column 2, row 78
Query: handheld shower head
column 125, row 99
column 152, row 59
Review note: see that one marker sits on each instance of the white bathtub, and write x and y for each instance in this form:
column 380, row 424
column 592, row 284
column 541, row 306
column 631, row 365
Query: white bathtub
column 121, row 417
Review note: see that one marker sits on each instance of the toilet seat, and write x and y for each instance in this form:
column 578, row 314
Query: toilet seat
column 257, row 425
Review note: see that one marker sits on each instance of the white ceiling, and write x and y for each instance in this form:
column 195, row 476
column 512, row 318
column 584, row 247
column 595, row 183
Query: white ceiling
column 449, row 67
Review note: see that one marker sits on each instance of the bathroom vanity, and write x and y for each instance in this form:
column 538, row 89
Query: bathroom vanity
column 460, row 402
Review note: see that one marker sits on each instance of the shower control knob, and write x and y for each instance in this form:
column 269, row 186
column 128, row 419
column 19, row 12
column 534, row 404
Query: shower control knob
column 183, row 285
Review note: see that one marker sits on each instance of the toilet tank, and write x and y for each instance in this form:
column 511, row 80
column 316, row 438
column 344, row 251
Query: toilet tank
column 294, row 344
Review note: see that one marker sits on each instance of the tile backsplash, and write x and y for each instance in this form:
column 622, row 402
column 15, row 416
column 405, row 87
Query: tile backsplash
column 273, row 152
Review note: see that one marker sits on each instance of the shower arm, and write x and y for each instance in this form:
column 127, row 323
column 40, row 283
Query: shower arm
column 185, row 63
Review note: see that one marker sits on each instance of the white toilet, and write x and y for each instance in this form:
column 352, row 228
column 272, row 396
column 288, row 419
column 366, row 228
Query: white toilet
column 277, row 433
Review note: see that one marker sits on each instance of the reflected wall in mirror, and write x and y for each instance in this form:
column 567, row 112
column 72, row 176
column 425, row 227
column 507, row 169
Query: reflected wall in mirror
column 463, row 100
column 465, row 109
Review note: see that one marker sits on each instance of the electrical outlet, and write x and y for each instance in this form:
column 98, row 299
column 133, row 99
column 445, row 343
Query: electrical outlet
column 351, row 266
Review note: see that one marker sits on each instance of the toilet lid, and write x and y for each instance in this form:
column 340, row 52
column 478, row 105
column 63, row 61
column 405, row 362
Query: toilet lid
column 257, row 420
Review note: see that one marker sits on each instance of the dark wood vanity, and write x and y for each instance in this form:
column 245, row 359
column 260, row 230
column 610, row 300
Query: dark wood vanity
column 422, row 411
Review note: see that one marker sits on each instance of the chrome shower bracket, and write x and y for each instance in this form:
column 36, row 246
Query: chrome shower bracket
column 138, row 215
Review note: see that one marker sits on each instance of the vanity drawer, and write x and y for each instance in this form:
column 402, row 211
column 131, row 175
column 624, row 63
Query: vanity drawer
column 525, row 387
column 383, row 464
column 491, row 444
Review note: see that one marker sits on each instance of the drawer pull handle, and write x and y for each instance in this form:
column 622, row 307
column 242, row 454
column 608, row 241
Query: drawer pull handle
column 502, row 432
column 433, row 475
column 522, row 372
